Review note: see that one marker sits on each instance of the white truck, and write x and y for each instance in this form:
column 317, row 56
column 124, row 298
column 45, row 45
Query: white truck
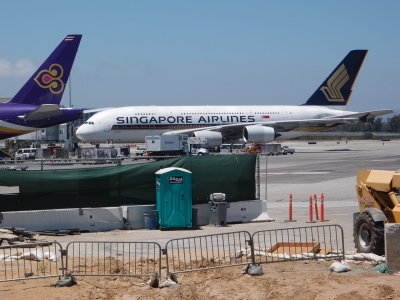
column 171, row 145
column 26, row 153
column 140, row 151
column 287, row 150
column 166, row 145
column 272, row 149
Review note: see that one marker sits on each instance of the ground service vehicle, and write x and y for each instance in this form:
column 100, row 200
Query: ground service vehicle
column 26, row 153
column 286, row 150
column 140, row 151
column 166, row 145
column 272, row 149
column 377, row 193
column 199, row 151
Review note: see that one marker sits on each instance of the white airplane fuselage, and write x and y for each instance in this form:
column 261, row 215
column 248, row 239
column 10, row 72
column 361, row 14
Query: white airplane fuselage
column 133, row 123
column 213, row 125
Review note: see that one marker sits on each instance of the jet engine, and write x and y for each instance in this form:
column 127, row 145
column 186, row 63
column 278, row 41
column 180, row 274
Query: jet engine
column 209, row 138
column 258, row 134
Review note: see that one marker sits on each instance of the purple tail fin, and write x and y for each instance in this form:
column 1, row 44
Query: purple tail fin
column 47, row 84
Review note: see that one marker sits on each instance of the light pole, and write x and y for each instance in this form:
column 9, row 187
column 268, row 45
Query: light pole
column 266, row 180
column 68, row 142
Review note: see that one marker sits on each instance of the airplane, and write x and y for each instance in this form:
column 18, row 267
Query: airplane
column 215, row 125
column 37, row 104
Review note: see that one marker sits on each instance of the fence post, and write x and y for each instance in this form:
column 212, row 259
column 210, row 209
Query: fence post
column 251, row 244
column 64, row 260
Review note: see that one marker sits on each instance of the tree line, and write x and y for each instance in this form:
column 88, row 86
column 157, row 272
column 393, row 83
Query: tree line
column 372, row 125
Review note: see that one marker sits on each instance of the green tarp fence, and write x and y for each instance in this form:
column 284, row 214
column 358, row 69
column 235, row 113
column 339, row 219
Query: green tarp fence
column 233, row 175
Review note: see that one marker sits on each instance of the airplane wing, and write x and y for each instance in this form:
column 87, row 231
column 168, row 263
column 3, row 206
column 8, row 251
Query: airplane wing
column 310, row 125
column 95, row 110
column 235, row 130
column 43, row 111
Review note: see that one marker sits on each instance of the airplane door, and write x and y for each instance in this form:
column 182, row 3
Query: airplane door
column 284, row 114
column 107, row 127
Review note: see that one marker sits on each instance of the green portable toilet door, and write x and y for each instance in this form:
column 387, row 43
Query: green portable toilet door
column 174, row 197
column 175, row 213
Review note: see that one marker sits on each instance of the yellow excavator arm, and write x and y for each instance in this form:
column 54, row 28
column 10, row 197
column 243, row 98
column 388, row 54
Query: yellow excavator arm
column 379, row 189
column 377, row 193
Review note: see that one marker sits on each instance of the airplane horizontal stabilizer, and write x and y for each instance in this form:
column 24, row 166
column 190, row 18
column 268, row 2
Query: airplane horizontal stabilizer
column 363, row 116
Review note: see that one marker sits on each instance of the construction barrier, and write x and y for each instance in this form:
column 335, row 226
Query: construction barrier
column 322, row 208
column 301, row 243
column 31, row 261
column 208, row 252
column 114, row 259
column 313, row 206
column 290, row 209
column 107, row 258
column 310, row 211
column 316, row 206
column 86, row 185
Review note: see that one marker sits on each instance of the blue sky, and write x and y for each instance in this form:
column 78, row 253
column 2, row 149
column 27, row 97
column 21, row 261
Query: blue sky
column 223, row 52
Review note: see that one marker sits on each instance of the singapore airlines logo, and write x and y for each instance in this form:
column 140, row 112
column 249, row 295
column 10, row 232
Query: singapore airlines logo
column 334, row 85
column 51, row 79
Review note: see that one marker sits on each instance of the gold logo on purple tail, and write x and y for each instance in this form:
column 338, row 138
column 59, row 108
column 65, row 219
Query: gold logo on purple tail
column 51, row 79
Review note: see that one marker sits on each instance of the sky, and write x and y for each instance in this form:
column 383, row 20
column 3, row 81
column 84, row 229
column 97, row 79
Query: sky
column 208, row 52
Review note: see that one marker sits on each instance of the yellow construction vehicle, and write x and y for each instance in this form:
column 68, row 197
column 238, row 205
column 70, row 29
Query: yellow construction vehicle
column 377, row 193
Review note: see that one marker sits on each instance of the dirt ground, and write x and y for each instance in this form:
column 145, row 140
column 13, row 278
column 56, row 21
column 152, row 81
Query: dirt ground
column 291, row 280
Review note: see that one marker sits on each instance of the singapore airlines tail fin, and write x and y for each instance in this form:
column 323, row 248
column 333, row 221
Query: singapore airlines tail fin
column 47, row 84
column 336, row 89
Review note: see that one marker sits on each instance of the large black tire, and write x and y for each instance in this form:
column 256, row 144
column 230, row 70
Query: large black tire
column 369, row 235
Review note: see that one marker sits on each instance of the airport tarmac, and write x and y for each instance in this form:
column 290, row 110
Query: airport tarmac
column 326, row 167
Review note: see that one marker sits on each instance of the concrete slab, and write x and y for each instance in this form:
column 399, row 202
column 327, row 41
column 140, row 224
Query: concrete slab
column 90, row 219
column 392, row 246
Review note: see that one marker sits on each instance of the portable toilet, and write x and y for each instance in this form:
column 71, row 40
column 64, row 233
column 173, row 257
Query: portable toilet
column 174, row 197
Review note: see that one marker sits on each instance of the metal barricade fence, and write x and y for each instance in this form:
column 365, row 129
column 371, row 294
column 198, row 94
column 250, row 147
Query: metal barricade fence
column 108, row 258
column 208, row 252
column 300, row 243
column 114, row 258
column 31, row 261
column 70, row 163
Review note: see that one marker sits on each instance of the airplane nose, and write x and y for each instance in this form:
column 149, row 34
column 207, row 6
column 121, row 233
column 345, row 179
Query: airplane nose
column 82, row 132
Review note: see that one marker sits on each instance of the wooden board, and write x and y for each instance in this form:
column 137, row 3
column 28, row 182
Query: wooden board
column 295, row 248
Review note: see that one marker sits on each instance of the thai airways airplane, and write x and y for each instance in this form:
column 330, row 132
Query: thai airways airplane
column 36, row 105
column 224, row 124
